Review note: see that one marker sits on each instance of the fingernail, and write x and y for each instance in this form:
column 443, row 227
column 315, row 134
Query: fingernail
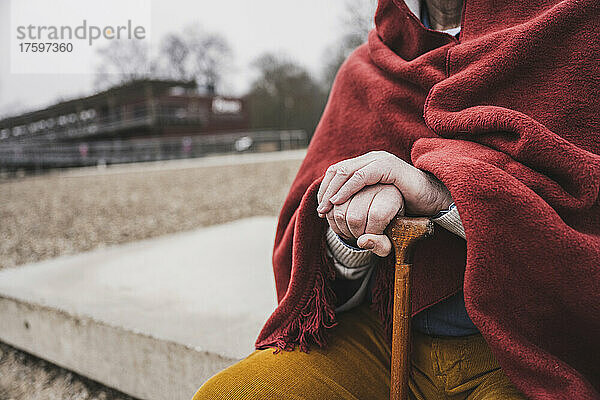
column 321, row 215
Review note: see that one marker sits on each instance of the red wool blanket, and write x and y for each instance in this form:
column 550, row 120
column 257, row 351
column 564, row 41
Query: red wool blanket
column 508, row 117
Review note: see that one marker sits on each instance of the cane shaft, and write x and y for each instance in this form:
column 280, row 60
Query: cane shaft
column 403, row 232
column 401, row 333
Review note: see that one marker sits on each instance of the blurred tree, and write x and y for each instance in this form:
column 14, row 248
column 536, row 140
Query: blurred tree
column 124, row 61
column 356, row 21
column 175, row 51
column 195, row 55
column 192, row 54
column 284, row 96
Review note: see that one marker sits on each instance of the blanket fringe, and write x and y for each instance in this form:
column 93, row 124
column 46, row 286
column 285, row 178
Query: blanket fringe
column 310, row 325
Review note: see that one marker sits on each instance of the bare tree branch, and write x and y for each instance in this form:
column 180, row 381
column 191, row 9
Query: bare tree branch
column 122, row 61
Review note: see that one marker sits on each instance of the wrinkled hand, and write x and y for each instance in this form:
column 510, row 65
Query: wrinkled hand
column 366, row 215
column 423, row 194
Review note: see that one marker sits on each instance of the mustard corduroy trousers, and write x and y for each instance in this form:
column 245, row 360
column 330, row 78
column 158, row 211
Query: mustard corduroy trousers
column 356, row 365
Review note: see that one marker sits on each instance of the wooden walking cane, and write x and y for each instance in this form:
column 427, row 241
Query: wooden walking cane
column 403, row 232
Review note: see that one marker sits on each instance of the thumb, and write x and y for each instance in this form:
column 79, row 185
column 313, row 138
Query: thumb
column 378, row 244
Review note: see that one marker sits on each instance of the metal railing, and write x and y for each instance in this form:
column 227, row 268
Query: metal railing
column 32, row 155
column 98, row 126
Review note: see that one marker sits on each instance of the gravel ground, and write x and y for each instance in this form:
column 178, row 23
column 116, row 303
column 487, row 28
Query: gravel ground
column 24, row 377
column 47, row 216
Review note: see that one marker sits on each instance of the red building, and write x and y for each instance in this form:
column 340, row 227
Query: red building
column 145, row 108
column 145, row 120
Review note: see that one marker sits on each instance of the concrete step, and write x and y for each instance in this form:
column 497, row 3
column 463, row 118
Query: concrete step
column 153, row 319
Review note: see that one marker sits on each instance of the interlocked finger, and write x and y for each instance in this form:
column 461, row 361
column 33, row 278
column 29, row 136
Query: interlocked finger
column 336, row 176
column 337, row 220
column 386, row 204
column 358, row 210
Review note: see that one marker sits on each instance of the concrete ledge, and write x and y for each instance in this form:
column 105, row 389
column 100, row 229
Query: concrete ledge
column 153, row 319
column 134, row 363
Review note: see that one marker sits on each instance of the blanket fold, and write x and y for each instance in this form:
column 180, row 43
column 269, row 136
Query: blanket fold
column 508, row 117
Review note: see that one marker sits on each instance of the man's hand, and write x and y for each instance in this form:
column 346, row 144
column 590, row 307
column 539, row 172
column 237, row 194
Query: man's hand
column 365, row 215
column 423, row 194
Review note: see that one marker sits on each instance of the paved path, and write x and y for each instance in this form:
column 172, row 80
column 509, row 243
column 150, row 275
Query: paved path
column 220, row 160
column 153, row 318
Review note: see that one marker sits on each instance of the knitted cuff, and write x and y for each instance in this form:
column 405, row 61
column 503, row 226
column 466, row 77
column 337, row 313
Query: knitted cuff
column 450, row 220
column 350, row 256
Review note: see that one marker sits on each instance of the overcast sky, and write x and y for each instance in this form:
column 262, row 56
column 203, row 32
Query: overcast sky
column 303, row 29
